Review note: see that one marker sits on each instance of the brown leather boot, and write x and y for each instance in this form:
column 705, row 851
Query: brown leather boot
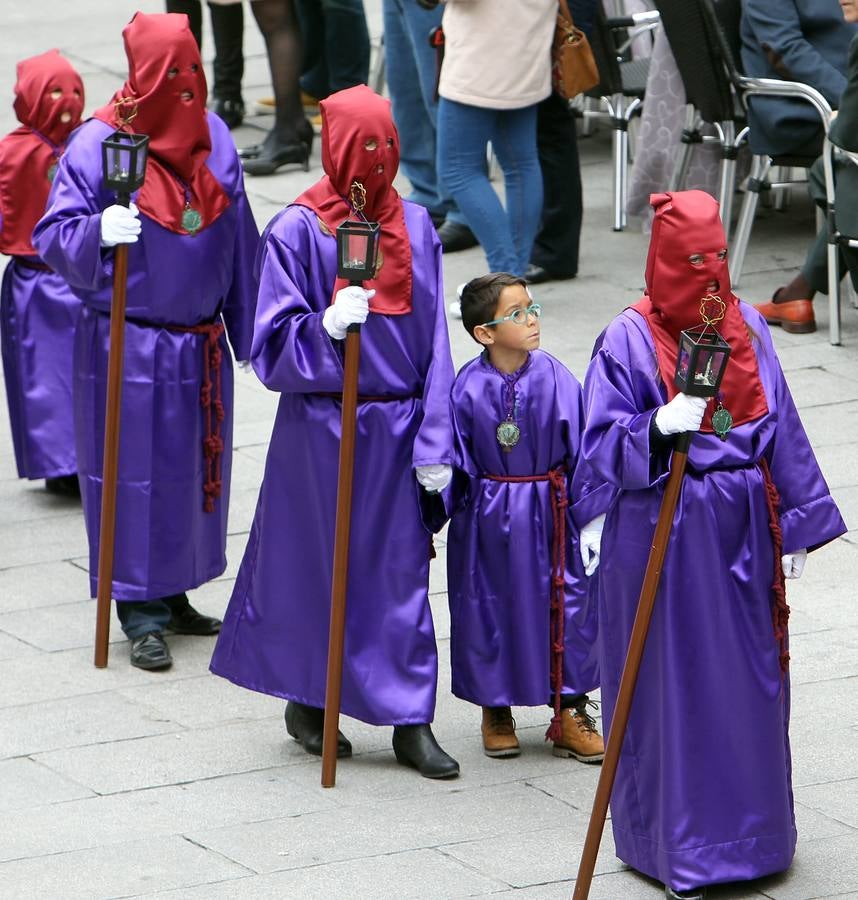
column 580, row 737
column 499, row 732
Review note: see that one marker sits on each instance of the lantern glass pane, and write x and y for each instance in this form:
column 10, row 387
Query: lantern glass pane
column 707, row 368
column 140, row 163
column 118, row 164
column 354, row 251
column 684, row 361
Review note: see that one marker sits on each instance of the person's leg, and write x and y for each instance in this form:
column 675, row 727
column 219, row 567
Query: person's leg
column 193, row 10
column 514, row 142
column 142, row 618
column 416, row 129
column 290, row 139
column 314, row 71
column 463, row 134
column 418, row 23
column 555, row 248
column 143, row 623
column 228, row 33
column 346, row 44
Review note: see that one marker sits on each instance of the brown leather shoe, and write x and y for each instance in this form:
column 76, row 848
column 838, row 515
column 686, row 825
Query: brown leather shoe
column 794, row 316
column 499, row 732
column 580, row 737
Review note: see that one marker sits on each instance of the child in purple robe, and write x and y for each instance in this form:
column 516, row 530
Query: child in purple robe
column 192, row 240
column 703, row 792
column 521, row 627
column 38, row 311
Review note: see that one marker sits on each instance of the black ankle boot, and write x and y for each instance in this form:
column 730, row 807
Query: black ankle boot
column 63, row 486
column 415, row 746
column 306, row 724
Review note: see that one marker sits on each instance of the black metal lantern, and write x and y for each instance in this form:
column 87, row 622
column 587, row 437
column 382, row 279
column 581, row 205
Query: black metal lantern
column 357, row 250
column 703, row 353
column 123, row 159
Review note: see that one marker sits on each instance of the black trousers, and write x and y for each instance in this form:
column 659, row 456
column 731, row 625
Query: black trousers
column 228, row 31
column 556, row 244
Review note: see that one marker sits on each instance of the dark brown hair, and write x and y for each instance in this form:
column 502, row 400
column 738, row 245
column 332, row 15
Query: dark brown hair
column 480, row 298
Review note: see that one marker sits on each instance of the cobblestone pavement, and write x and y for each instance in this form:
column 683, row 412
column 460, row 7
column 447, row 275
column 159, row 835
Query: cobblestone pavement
column 119, row 783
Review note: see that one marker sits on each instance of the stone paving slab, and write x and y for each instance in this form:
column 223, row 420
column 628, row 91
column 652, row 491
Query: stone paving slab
column 117, row 870
column 415, row 875
column 76, row 722
column 23, row 781
column 101, row 821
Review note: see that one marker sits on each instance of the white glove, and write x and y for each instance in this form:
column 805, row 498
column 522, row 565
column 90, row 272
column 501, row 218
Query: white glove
column 435, row 477
column 683, row 413
column 119, row 225
column 350, row 307
column 590, row 540
column 793, row 563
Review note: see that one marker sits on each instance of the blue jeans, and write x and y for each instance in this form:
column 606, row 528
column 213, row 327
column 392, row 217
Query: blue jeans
column 139, row 618
column 463, row 135
column 410, row 64
column 336, row 45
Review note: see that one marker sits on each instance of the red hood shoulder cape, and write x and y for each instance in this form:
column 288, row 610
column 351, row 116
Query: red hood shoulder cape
column 360, row 144
column 687, row 258
column 48, row 104
column 165, row 98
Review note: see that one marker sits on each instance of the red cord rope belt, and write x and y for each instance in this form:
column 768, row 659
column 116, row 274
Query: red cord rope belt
column 780, row 607
column 211, row 400
column 559, row 503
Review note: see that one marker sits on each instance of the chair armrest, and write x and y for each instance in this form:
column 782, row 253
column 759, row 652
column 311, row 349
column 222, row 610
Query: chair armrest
column 774, row 87
column 650, row 19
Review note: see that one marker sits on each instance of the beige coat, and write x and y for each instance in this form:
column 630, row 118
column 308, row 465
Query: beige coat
column 498, row 52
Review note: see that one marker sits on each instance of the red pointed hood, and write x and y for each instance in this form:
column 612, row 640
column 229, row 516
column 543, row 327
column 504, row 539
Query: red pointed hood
column 165, row 98
column 48, row 104
column 688, row 260
column 360, row 145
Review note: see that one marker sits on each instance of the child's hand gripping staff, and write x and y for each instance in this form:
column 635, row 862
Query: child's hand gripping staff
column 681, row 416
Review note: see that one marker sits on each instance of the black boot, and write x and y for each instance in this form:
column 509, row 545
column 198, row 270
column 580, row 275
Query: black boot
column 415, row 746
column 184, row 619
column 306, row 724
column 694, row 894
column 63, row 486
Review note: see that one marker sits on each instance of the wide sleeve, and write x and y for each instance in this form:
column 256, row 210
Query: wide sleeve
column 240, row 302
column 291, row 351
column 589, row 494
column 616, row 440
column 809, row 517
column 68, row 236
column 434, row 440
column 777, row 29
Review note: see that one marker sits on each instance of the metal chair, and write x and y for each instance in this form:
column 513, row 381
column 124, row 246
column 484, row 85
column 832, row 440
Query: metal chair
column 621, row 88
column 710, row 94
column 836, row 239
column 721, row 19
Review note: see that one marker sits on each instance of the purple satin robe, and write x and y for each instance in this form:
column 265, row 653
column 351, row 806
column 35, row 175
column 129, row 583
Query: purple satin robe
column 165, row 542
column 499, row 553
column 38, row 312
column 703, row 791
column 275, row 633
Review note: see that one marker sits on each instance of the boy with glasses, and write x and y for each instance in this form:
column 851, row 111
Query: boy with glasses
column 521, row 628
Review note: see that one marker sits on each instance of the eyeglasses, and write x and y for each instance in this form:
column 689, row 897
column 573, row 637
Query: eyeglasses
column 518, row 316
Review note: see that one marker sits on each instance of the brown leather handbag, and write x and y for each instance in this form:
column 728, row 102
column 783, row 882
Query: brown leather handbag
column 573, row 68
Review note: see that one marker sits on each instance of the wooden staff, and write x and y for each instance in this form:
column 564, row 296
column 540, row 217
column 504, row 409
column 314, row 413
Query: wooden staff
column 637, row 641
column 110, row 468
column 339, row 582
